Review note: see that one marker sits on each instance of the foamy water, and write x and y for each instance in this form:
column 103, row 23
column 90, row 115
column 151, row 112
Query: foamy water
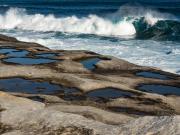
column 112, row 34
column 17, row 18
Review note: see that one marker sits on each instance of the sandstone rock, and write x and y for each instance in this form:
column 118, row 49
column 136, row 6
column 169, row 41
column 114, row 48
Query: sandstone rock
column 164, row 125
column 140, row 112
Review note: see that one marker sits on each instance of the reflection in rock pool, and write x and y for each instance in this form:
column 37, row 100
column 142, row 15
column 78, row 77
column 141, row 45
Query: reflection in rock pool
column 90, row 63
column 20, row 85
column 46, row 55
column 160, row 89
column 28, row 61
column 147, row 74
column 13, row 52
column 20, row 57
column 108, row 93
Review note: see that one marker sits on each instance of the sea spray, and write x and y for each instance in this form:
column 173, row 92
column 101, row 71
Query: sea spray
column 19, row 19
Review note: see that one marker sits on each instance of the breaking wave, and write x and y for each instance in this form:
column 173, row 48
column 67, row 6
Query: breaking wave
column 18, row 19
column 127, row 21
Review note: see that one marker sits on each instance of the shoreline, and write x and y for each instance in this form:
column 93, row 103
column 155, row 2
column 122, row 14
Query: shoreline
column 160, row 67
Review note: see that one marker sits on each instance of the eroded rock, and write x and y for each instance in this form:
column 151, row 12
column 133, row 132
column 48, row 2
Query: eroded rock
column 60, row 112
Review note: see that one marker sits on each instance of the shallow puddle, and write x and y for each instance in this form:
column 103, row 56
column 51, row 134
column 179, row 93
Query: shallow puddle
column 108, row 93
column 160, row 89
column 46, row 55
column 90, row 63
column 19, row 57
column 28, row 61
column 152, row 75
column 13, row 52
column 20, row 85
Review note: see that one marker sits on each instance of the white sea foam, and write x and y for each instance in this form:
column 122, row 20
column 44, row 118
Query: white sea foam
column 116, row 24
column 17, row 18
column 151, row 16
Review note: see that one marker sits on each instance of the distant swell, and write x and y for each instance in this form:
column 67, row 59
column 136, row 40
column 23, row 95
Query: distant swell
column 128, row 21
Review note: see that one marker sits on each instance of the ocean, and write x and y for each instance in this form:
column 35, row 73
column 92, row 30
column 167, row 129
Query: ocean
column 146, row 34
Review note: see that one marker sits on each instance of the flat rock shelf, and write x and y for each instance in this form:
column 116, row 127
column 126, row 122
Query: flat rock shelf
column 44, row 91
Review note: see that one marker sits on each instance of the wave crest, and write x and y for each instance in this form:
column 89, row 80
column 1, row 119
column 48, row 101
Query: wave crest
column 128, row 21
column 19, row 19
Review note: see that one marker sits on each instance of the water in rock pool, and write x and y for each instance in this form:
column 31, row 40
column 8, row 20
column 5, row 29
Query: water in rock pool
column 28, row 61
column 20, row 85
column 90, row 63
column 46, row 55
column 20, row 57
column 160, row 89
column 143, row 33
column 108, row 93
column 154, row 75
column 10, row 52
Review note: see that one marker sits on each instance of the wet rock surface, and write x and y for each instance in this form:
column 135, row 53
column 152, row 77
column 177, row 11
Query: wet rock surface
column 47, row 91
